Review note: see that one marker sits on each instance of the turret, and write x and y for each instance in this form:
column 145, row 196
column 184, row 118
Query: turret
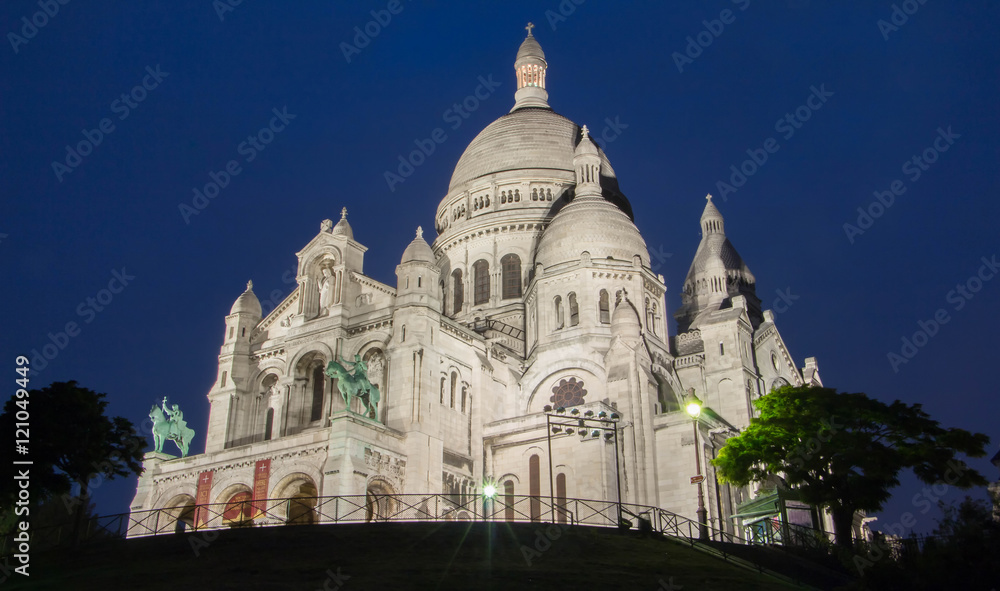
column 417, row 275
column 530, row 67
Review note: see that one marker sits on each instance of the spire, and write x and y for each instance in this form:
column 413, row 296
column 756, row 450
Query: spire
column 717, row 275
column 711, row 219
column 530, row 67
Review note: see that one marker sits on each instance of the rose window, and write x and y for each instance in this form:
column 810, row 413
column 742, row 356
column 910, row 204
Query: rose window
column 568, row 392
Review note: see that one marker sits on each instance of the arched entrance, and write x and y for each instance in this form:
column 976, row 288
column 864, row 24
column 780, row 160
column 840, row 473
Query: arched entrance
column 302, row 505
column 380, row 502
column 180, row 514
column 300, row 496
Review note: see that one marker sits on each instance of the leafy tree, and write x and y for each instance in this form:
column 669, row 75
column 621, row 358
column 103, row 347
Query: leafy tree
column 845, row 451
column 71, row 443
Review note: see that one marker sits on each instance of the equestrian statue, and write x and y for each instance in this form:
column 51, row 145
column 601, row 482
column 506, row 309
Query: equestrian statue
column 355, row 385
column 173, row 428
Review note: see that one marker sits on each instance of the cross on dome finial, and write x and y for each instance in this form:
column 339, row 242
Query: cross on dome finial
column 530, row 26
column 343, row 213
column 250, row 285
column 708, row 197
column 585, row 131
column 420, row 232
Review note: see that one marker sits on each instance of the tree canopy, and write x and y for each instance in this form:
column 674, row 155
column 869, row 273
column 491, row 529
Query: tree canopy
column 845, row 451
column 71, row 442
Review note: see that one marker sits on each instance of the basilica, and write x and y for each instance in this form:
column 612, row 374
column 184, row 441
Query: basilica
column 536, row 295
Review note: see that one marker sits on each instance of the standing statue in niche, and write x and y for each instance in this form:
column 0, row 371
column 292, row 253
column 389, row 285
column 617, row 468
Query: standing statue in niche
column 173, row 428
column 355, row 385
column 326, row 287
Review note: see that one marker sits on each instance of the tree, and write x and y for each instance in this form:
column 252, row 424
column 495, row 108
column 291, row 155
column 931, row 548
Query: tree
column 845, row 451
column 71, row 443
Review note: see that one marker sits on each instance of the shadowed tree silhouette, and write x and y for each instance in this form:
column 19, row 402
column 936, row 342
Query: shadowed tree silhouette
column 71, row 443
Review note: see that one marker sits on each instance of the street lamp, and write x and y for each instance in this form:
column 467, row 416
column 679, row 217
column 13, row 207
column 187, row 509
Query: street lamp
column 589, row 428
column 693, row 408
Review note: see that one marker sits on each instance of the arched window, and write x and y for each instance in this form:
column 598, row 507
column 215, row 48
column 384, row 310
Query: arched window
column 508, row 500
column 535, row 486
column 574, row 310
column 268, row 424
column 510, row 265
column 559, row 312
column 319, row 381
column 481, row 275
column 604, row 307
column 463, row 398
column 442, row 389
column 458, row 291
column 561, row 497
column 454, row 379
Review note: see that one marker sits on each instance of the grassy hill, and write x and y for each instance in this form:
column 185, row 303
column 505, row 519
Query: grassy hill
column 479, row 556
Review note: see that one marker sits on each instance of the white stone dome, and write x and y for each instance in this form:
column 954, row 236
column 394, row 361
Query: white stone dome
column 418, row 250
column 247, row 303
column 526, row 139
column 593, row 225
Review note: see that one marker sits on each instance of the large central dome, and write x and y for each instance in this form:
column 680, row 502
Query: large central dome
column 528, row 138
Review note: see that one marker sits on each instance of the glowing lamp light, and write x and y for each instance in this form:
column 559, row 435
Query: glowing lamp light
column 693, row 406
column 489, row 491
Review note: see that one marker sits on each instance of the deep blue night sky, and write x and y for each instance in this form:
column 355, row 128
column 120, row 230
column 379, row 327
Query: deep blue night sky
column 852, row 299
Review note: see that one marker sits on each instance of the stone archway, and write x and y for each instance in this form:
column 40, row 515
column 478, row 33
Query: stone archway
column 300, row 496
column 301, row 508
column 181, row 510
column 380, row 501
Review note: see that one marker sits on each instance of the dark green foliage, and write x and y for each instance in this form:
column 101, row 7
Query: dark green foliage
column 845, row 451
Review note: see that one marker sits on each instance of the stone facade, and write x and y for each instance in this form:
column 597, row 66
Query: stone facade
column 538, row 291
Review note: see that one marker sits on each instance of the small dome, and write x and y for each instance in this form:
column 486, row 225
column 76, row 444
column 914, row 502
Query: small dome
column 343, row 228
column 586, row 145
column 592, row 224
column 247, row 303
column 418, row 250
column 530, row 48
column 625, row 321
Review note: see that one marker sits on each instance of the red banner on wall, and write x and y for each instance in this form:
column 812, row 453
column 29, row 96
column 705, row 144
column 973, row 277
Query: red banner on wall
column 261, row 477
column 203, row 497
